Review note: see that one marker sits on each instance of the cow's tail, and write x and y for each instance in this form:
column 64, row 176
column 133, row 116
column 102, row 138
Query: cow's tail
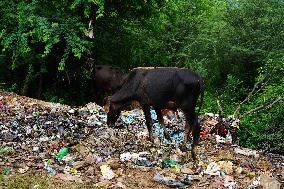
column 201, row 95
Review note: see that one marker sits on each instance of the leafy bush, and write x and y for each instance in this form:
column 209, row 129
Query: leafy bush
column 264, row 130
column 263, row 115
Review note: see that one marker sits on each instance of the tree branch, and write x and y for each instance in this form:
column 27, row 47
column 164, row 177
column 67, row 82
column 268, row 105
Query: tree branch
column 220, row 109
column 256, row 89
column 262, row 107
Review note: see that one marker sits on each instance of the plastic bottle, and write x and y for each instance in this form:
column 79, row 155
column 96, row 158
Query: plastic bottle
column 49, row 169
column 169, row 163
column 63, row 152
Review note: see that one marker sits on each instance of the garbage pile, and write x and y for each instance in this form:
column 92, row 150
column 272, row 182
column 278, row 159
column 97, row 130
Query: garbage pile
column 74, row 144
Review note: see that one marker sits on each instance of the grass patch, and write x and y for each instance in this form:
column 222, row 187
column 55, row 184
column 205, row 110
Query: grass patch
column 31, row 181
column 6, row 150
column 24, row 181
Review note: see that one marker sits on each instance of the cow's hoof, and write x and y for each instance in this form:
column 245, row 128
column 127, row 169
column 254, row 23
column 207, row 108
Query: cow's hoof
column 193, row 155
column 150, row 139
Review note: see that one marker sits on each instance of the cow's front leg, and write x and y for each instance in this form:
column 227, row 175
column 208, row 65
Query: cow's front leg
column 187, row 130
column 147, row 113
column 161, row 121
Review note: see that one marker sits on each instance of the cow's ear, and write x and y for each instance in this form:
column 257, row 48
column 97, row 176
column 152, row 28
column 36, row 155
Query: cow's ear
column 106, row 103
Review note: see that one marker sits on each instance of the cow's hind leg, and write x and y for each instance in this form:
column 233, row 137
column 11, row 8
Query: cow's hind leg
column 195, row 127
column 161, row 121
column 147, row 113
column 192, row 125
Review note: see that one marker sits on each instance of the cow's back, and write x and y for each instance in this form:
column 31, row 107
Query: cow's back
column 167, row 78
column 157, row 86
column 170, row 84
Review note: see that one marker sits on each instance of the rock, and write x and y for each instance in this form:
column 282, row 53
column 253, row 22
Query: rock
column 90, row 171
column 68, row 177
column 175, row 157
column 197, row 177
column 90, row 159
column 79, row 164
column 103, row 184
column 186, row 170
column 83, row 150
column 246, row 152
column 268, row 182
column 120, row 185
column 8, row 137
column 23, row 170
column 239, row 170
column 114, row 163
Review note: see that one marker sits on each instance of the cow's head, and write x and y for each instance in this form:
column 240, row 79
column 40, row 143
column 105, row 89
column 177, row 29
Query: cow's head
column 113, row 110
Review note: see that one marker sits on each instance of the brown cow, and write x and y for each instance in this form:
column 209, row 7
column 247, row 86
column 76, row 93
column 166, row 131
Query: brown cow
column 160, row 88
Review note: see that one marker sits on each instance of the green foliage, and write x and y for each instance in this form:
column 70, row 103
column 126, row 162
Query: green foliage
column 37, row 28
column 209, row 103
column 264, row 128
column 232, row 44
column 231, row 93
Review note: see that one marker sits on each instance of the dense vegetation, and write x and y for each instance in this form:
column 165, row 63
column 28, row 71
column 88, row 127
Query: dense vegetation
column 237, row 46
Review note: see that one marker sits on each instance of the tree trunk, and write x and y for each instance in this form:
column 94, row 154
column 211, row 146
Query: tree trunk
column 39, row 89
column 25, row 88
